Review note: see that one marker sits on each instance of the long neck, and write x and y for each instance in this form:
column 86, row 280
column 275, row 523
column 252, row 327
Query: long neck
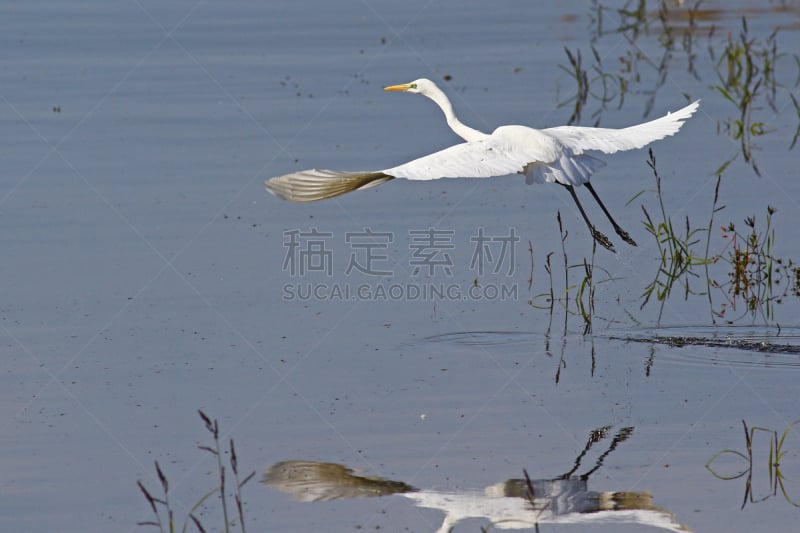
column 460, row 129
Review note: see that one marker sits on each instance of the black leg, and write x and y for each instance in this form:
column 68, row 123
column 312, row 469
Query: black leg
column 601, row 239
column 621, row 232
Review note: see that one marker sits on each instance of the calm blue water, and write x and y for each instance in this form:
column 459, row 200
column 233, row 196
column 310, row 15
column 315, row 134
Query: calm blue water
column 147, row 273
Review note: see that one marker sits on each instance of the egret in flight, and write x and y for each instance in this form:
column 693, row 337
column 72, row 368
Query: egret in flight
column 551, row 155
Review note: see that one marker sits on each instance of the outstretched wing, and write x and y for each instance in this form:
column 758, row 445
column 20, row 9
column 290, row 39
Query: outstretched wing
column 609, row 140
column 507, row 151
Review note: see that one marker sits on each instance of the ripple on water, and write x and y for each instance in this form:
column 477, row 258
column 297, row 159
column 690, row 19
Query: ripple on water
column 487, row 338
column 730, row 345
column 684, row 345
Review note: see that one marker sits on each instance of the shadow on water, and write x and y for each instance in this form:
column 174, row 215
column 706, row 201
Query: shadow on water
column 519, row 503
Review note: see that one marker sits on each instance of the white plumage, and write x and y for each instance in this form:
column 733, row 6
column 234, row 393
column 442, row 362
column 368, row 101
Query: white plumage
column 551, row 155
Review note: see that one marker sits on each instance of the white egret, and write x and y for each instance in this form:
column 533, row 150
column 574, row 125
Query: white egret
column 544, row 156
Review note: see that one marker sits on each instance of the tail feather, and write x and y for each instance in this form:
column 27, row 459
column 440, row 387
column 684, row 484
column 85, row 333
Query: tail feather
column 319, row 184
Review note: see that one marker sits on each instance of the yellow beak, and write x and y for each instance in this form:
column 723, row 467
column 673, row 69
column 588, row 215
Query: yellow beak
column 401, row 87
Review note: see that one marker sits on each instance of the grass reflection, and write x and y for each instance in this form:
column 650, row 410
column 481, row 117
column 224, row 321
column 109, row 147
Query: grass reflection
column 746, row 69
column 772, row 462
column 756, row 277
column 746, row 271
column 678, row 255
column 742, row 275
column 163, row 509
column 751, row 73
column 577, row 299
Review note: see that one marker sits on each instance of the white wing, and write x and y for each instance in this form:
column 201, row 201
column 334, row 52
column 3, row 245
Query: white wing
column 507, row 151
column 609, row 140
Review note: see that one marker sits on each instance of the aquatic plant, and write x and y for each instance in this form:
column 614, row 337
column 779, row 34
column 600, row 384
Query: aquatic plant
column 745, row 68
column 777, row 453
column 163, row 512
column 581, row 77
column 753, row 275
column 750, row 73
column 583, row 293
column 636, row 68
column 677, row 252
column 549, row 297
column 584, row 296
column 756, row 276
column 602, row 86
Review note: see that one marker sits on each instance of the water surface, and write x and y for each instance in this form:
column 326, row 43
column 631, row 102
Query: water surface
column 146, row 273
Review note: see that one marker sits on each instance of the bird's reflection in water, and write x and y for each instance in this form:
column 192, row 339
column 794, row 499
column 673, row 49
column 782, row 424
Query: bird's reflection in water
column 312, row 481
column 511, row 504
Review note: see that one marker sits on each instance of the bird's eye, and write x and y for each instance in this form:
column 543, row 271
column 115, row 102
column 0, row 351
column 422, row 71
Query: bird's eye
column 413, row 86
